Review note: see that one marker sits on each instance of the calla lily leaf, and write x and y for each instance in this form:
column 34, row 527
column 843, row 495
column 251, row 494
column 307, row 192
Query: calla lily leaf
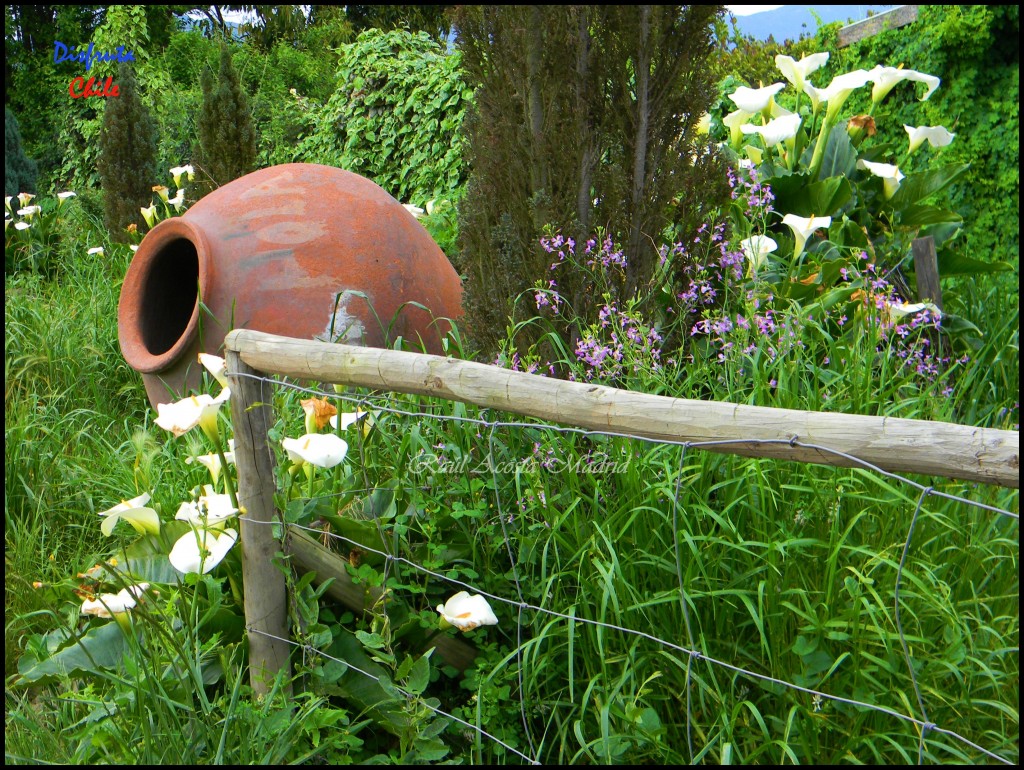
column 102, row 647
column 924, row 184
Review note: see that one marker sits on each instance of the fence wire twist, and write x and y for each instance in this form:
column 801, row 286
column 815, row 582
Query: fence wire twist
column 693, row 655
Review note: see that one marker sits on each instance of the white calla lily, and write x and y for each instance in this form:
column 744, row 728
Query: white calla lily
column 182, row 416
column 885, row 78
column 325, row 450
column 347, row 419
column 734, row 121
column 796, row 72
column 891, row 176
column 210, row 511
column 109, row 605
column 133, row 511
column 802, row 228
column 177, row 171
column 212, row 461
column 897, row 310
column 756, row 249
column 755, row 99
column 936, row 136
column 467, row 612
column 775, row 131
column 200, row 550
column 216, row 366
column 838, row 91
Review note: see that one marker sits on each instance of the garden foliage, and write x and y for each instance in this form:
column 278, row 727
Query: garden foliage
column 584, row 117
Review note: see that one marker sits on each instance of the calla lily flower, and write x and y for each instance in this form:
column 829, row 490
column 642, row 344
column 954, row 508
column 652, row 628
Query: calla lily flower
column 755, row 99
column 890, row 175
column 796, row 72
column 177, row 171
column 133, row 511
column 95, row 250
column 61, row 197
column 885, row 78
column 149, row 214
column 324, row 450
column 318, row 412
column 838, row 91
column 347, row 419
column 209, row 511
column 22, row 225
column 898, row 310
column 108, row 605
column 7, row 202
column 467, row 612
column 756, row 249
column 416, row 211
column 703, row 125
column 734, row 121
column 200, row 550
column 162, row 191
column 937, row 136
column 802, row 229
column 212, row 460
column 178, row 200
column 29, row 211
column 775, row 131
column 24, row 198
column 216, row 366
column 182, row 416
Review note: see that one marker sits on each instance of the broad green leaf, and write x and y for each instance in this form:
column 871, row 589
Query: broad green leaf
column 917, row 187
column 101, row 647
column 918, row 215
column 956, row 263
column 839, row 159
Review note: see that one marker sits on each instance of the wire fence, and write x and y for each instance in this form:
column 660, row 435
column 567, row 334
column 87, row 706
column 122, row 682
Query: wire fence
column 689, row 645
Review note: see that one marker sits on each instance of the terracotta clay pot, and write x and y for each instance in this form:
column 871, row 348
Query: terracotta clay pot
column 287, row 250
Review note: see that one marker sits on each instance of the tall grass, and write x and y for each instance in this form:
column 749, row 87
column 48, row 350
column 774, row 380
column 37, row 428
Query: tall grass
column 782, row 569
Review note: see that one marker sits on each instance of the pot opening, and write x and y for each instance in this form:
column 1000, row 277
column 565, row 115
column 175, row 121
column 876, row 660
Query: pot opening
column 170, row 292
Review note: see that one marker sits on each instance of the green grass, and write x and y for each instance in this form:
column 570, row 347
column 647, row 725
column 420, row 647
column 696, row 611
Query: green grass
column 787, row 570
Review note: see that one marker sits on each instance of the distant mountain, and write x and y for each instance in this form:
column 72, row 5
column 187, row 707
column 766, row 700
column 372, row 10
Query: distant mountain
column 791, row 21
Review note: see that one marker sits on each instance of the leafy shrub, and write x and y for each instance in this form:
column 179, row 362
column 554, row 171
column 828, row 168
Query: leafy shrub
column 395, row 116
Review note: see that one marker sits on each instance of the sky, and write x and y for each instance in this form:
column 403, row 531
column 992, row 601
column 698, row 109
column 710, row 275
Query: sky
column 790, row 21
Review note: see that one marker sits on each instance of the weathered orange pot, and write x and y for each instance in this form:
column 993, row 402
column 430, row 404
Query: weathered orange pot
column 288, row 250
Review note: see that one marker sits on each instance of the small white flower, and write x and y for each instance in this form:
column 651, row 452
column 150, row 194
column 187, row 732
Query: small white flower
column 22, row 225
column 65, row 195
column 95, row 250
column 416, row 211
column 467, row 612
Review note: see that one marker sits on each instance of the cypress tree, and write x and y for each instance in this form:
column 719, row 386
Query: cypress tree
column 585, row 117
column 127, row 159
column 19, row 169
column 227, row 139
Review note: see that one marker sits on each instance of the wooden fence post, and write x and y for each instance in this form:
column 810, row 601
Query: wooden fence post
column 926, row 269
column 266, row 610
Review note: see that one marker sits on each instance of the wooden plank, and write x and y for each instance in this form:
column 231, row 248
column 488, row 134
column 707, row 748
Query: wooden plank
column 897, row 17
column 926, row 270
column 266, row 608
column 310, row 556
column 893, row 444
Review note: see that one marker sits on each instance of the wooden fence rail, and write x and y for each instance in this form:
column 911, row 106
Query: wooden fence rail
column 893, row 444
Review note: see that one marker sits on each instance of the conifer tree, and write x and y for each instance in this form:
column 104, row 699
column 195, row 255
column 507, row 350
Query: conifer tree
column 127, row 160
column 227, row 139
column 19, row 169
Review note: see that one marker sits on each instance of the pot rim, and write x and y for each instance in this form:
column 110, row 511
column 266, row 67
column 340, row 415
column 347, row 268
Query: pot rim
column 129, row 309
